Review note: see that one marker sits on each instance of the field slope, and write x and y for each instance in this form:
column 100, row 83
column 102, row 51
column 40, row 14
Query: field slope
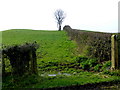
column 54, row 46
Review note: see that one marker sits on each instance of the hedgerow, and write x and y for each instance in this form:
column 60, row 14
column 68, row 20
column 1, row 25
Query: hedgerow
column 91, row 44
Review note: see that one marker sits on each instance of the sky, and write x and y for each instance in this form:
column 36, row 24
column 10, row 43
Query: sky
column 95, row 15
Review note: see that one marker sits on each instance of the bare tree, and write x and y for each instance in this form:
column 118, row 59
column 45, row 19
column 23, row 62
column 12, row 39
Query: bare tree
column 59, row 16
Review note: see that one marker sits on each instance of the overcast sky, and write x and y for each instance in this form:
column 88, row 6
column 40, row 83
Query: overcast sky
column 96, row 15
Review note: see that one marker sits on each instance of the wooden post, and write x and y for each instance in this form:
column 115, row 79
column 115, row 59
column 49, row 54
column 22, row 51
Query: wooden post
column 114, row 52
column 33, row 62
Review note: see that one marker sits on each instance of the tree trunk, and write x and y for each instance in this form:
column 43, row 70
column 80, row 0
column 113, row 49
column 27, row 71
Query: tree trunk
column 59, row 28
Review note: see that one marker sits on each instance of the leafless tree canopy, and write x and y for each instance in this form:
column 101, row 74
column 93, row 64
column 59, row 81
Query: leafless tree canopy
column 59, row 16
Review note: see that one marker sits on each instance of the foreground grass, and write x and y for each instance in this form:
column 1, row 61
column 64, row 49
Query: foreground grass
column 78, row 79
column 81, row 78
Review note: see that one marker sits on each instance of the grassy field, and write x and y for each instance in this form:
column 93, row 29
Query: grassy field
column 54, row 46
column 56, row 54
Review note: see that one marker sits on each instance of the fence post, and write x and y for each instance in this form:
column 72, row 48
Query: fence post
column 114, row 52
column 33, row 62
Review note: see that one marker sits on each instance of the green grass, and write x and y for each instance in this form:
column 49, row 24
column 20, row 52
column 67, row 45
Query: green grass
column 50, row 41
column 80, row 79
column 56, row 54
column 54, row 46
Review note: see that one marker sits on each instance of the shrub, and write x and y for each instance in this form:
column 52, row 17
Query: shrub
column 112, row 73
column 106, row 65
column 85, row 66
column 88, row 64
column 81, row 59
column 19, row 56
column 97, row 67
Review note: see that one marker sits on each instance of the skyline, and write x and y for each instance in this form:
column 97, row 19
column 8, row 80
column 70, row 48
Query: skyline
column 95, row 15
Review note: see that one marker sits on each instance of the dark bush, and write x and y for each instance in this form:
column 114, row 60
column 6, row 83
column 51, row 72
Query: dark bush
column 81, row 59
column 106, row 65
column 88, row 64
column 119, row 49
column 20, row 56
column 97, row 67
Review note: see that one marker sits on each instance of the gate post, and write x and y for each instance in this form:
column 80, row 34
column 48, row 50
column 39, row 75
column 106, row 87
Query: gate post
column 114, row 52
